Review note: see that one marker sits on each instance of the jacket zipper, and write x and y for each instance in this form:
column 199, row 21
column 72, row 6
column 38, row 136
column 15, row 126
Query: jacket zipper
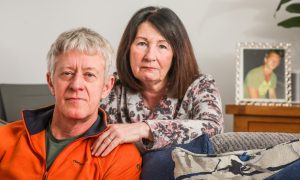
column 45, row 175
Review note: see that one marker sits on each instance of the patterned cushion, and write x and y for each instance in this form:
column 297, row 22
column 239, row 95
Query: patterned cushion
column 251, row 164
column 235, row 141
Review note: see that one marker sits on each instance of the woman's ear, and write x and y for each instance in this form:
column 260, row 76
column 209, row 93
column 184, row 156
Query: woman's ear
column 50, row 84
column 109, row 83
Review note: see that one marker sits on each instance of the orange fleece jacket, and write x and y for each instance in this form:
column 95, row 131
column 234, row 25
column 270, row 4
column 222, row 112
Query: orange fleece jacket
column 23, row 153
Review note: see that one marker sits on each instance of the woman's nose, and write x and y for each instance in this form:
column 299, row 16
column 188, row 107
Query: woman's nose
column 151, row 54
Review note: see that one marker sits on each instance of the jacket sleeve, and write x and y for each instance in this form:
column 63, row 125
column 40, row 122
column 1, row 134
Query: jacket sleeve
column 200, row 112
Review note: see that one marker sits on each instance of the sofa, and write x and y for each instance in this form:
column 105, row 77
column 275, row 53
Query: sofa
column 16, row 97
column 2, row 122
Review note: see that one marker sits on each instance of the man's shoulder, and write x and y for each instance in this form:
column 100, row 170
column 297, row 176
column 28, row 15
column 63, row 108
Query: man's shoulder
column 131, row 148
column 123, row 152
column 256, row 71
column 126, row 152
column 14, row 127
column 124, row 162
column 11, row 132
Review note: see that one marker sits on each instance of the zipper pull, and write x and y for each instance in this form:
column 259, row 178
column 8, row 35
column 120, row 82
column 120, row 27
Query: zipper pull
column 45, row 175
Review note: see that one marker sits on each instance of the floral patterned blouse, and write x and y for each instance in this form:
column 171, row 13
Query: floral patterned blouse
column 173, row 121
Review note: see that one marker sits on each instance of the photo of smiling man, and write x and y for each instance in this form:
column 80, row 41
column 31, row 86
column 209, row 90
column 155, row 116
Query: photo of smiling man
column 261, row 82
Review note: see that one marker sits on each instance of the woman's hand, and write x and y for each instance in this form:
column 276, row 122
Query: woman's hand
column 119, row 134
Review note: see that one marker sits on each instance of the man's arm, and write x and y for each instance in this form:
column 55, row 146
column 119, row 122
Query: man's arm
column 272, row 93
column 253, row 93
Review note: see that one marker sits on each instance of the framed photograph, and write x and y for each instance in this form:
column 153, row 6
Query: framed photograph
column 263, row 73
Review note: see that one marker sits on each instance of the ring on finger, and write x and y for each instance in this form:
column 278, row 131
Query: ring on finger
column 108, row 138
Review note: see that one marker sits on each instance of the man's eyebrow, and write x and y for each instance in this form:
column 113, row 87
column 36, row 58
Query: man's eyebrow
column 91, row 69
column 85, row 69
column 66, row 67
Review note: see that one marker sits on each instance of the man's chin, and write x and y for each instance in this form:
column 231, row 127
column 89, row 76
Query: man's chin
column 76, row 114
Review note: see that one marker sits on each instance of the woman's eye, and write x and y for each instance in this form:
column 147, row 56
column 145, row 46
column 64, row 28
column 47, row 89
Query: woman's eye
column 141, row 44
column 162, row 46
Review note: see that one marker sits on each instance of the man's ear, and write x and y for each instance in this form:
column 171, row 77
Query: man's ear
column 50, row 84
column 109, row 83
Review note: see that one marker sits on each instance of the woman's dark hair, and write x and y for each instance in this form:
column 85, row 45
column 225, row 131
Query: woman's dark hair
column 184, row 68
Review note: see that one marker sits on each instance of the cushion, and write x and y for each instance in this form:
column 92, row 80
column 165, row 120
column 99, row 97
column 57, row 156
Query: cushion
column 158, row 164
column 257, row 164
column 235, row 141
column 289, row 172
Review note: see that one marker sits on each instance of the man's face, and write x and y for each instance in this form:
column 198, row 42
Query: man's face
column 78, row 84
column 272, row 61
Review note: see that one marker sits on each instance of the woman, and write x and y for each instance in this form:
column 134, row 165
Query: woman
column 159, row 97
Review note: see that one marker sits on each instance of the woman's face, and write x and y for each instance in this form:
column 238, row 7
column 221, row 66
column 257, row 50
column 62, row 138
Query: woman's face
column 150, row 55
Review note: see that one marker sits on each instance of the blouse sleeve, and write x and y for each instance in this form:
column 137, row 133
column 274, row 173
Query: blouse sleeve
column 200, row 112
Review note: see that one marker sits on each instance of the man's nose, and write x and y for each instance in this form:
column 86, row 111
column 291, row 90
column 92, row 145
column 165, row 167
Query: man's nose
column 77, row 82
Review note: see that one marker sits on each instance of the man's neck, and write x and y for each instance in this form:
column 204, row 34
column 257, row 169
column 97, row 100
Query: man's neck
column 63, row 128
column 267, row 72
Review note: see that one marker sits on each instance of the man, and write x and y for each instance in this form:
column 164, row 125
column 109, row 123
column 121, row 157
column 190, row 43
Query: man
column 261, row 81
column 55, row 142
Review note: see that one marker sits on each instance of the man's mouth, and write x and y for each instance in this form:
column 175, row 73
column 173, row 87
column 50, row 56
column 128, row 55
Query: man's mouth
column 75, row 99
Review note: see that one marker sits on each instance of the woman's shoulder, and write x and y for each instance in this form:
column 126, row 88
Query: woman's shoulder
column 203, row 81
column 203, row 78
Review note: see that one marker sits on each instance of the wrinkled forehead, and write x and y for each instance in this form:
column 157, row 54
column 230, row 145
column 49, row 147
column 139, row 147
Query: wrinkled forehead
column 76, row 58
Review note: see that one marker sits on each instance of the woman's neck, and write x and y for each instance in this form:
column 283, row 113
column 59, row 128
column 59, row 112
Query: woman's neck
column 153, row 94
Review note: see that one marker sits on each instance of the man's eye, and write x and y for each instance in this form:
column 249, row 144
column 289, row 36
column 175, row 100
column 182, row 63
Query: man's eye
column 67, row 73
column 90, row 75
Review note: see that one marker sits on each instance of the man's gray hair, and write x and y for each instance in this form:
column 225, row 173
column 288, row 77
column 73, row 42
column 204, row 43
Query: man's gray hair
column 84, row 40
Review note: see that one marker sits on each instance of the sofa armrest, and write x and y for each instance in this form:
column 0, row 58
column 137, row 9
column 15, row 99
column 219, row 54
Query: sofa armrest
column 2, row 122
column 236, row 141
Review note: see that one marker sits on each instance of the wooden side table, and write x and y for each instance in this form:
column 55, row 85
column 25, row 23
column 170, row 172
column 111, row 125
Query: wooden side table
column 250, row 118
